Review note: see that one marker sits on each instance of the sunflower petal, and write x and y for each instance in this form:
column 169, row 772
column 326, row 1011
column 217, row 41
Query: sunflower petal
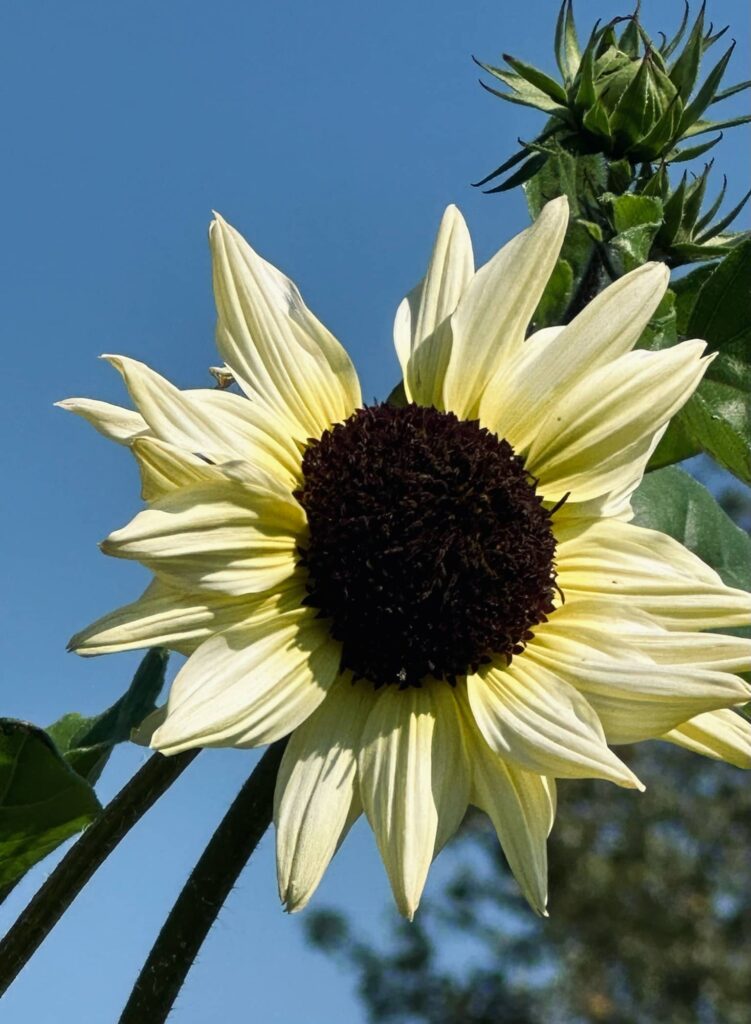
column 646, row 569
column 216, row 425
column 316, row 790
column 250, row 685
column 591, row 436
column 405, row 783
column 219, row 537
column 721, row 735
column 421, row 320
column 491, row 318
column 112, row 421
column 165, row 468
column 521, row 806
column 166, row 617
column 533, row 718
column 279, row 352
column 608, row 327
column 635, row 699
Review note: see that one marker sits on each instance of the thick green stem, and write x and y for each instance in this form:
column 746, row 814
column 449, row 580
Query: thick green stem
column 83, row 858
column 203, row 895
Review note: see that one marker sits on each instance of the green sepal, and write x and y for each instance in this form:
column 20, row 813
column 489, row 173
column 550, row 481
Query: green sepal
column 679, row 156
column 702, row 127
column 711, row 212
column 732, row 91
column 538, row 79
column 703, row 98
column 44, row 801
column 398, row 396
column 669, row 48
column 673, row 211
column 523, row 92
column 567, row 51
column 527, row 170
column 728, row 219
column 629, row 41
column 686, row 67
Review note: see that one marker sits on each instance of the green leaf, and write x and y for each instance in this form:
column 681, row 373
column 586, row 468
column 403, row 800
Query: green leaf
column 556, row 297
column 630, row 249
column 630, row 211
column 661, row 331
column 717, row 417
column 672, row 501
column 686, row 290
column 675, row 445
column 44, row 801
column 720, row 314
column 86, row 743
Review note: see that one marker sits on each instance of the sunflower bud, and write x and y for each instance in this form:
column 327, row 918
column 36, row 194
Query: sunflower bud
column 622, row 96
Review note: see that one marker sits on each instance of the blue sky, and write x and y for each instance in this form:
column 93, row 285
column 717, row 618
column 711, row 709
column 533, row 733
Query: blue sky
column 332, row 135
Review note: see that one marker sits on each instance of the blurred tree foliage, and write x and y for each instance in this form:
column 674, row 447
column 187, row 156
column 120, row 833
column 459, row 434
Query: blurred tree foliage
column 650, row 916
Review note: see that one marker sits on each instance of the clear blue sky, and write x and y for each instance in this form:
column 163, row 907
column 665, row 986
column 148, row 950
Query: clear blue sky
column 332, row 134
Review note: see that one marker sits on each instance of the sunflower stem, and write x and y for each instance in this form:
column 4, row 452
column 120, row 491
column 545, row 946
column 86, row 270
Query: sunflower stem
column 203, row 895
column 84, row 857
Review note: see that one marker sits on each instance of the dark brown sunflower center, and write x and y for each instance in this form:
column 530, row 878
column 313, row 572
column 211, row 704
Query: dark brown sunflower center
column 429, row 549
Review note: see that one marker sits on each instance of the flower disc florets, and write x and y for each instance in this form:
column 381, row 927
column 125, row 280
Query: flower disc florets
column 429, row 549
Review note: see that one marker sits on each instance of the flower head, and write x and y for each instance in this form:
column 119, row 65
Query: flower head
column 443, row 601
column 624, row 95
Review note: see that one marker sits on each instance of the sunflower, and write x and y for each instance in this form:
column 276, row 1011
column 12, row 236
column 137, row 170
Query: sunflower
column 440, row 600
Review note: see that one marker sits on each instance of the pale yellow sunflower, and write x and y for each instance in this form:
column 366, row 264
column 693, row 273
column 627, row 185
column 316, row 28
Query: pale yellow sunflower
column 444, row 603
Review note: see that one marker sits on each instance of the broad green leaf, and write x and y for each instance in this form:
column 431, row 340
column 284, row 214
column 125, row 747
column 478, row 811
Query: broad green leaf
column 661, row 331
column 44, row 801
column 556, row 297
column 86, row 743
column 672, row 501
column 676, row 444
column 631, row 248
column 630, row 211
column 722, row 311
column 718, row 416
column 686, row 290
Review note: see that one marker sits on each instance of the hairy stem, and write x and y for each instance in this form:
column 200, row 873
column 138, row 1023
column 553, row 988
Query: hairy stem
column 203, row 895
column 83, row 858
